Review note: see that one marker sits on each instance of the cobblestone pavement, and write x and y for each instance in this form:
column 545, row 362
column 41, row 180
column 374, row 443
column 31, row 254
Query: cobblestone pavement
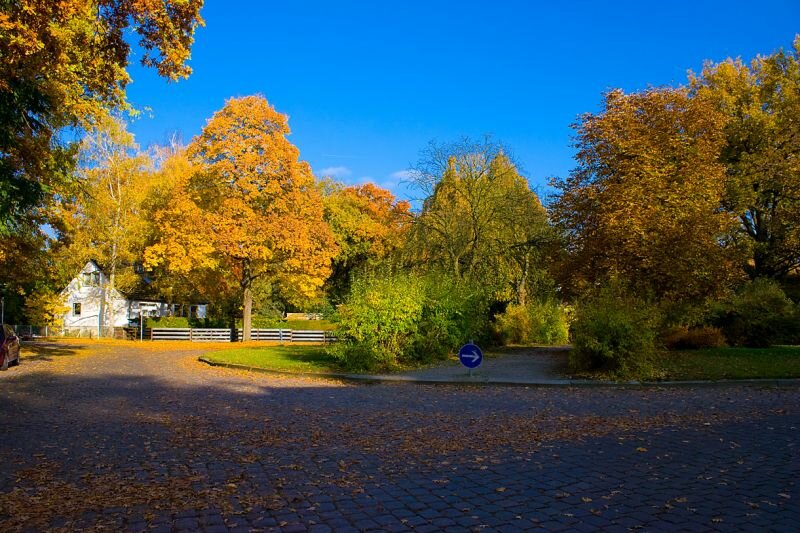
column 127, row 438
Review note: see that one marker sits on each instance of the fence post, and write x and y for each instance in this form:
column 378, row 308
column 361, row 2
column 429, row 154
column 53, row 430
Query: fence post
column 191, row 336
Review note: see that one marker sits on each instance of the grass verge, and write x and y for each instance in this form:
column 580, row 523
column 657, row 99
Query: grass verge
column 731, row 363
column 295, row 358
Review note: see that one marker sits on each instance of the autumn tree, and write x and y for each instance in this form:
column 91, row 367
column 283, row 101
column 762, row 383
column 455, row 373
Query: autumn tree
column 761, row 102
column 63, row 66
column 25, row 265
column 368, row 223
column 248, row 209
column 106, row 218
column 480, row 220
column 643, row 203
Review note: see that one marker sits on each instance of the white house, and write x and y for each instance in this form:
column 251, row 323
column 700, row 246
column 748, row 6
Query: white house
column 93, row 305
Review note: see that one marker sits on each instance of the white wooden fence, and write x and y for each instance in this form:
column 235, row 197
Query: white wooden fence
column 224, row 335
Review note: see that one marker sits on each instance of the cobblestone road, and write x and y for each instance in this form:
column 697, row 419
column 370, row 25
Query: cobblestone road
column 123, row 438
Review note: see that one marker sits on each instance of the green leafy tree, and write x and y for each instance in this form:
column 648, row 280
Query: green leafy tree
column 761, row 104
column 480, row 220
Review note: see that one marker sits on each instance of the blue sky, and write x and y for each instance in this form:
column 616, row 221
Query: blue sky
column 368, row 84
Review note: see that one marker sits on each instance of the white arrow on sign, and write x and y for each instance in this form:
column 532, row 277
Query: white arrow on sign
column 474, row 356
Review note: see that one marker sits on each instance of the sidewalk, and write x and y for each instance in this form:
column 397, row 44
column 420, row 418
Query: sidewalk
column 542, row 366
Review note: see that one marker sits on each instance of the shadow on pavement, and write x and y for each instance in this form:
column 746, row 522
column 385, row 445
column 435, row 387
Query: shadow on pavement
column 48, row 351
column 113, row 444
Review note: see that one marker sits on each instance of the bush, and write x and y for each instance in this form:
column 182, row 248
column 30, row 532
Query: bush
column 379, row 321
column 684, row 338
column 452, row 314
column 394, row 319
column 167, row 322
column 758, row 315
column 614, row 332
column 541, row 322
column 512, row 326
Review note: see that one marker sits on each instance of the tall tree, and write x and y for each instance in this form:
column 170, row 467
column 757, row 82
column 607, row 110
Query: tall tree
column 248, row 210
column 62, row 68
column 480, row 220
column 643, row 202
column 369, row 224
column 761, row 102
column 106, row 219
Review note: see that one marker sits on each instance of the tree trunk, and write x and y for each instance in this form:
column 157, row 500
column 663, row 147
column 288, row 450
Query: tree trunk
column 247, row 319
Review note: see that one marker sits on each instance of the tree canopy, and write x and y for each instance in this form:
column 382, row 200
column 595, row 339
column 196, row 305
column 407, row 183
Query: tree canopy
column 761, row 104
column 369, row 225
column 480, row 220
column 643, row 203
column 247, row 208
column 63, row 66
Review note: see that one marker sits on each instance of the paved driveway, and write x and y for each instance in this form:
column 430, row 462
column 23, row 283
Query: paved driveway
column 121, row 437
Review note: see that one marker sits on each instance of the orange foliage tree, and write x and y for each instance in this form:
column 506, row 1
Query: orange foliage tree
column 369, row 224
column 246, row 209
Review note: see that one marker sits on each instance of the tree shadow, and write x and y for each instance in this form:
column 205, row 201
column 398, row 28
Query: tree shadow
column 47, row 351
column 118, row 448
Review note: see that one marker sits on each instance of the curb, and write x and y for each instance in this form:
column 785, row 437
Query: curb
column 565, row 383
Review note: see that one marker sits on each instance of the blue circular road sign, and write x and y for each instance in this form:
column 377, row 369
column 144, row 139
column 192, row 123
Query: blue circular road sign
column 470, row 355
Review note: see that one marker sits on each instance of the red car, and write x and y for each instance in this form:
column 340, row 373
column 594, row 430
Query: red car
column 9, row 349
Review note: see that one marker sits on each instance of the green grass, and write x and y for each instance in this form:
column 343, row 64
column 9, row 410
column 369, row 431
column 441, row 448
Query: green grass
column 284, row 358
column 731, row 363
column 313, row 325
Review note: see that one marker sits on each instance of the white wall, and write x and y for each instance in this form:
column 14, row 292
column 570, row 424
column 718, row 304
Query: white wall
column 91, row 294
column 89, row 289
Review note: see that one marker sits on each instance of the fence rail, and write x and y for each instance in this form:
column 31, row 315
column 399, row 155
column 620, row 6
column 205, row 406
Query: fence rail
column 178, row 334
column 228, row 335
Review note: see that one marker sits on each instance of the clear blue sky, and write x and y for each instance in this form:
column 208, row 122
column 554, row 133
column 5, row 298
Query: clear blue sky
column 369, row 84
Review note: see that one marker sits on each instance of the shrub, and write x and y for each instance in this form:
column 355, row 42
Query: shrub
column 541, row 322
column 453, row 313
column 378, row 321
column 758, row 315
column 167, row 322
column 684, row 338
column 613, row 332
column 549, row 323
column 264, row 322
column 394, row 319
column 513, row 326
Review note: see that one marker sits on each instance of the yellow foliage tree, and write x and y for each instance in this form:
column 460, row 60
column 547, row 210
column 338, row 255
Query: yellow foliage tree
column 45, row 308
column 761, row 101
column 246, row 209
column 106, row 219
column 644, row 202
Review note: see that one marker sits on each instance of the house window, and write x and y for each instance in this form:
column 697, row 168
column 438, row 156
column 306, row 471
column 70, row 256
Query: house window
column 76, row 309
column 92, row 279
